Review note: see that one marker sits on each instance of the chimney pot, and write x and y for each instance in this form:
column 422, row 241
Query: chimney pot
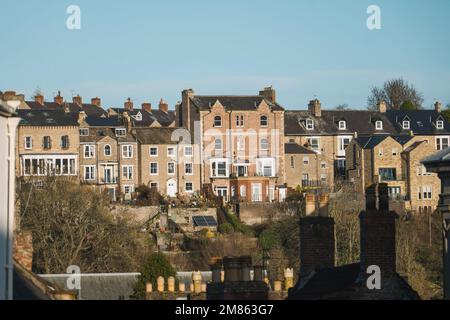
column 147, row 107
column 77, row 100
column 382, row 107
column 39, row 98
column 96, row 101
column 128, row 105
column 163, row 106
column 438, row 106
column 58, row 99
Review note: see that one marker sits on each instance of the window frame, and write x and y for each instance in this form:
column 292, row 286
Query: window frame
column 157, row 168
column 90, row 148
column 265, row 119
column 110, row 150
column 186, row 166
column 28, row 142
column 124, row 148
column 217, row 122
column 378, row 125
column 92, row 173
column 309, row 124
column 342, row 125
column 128, row 169
column 150, row 151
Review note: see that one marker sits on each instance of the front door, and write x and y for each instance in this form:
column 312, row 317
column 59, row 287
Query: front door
column 223, row 192
column 171, row 188
column 108, row 175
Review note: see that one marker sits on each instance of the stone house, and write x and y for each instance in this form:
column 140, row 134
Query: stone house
column 241, row 143
column 167, row 163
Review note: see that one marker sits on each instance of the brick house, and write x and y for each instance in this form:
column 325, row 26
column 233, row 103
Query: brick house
column 241, row 143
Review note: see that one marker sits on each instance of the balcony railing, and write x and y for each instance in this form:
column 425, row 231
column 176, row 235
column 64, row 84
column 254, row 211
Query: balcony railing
column 108, row 180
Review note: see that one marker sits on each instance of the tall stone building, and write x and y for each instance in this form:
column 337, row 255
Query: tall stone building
column 241, row 143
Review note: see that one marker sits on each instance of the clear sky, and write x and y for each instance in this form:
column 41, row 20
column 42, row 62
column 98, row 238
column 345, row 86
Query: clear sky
column 152, row 49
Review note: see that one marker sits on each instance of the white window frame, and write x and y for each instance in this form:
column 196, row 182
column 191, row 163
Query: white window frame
column 309, row 139
column 127, row 151
column 104, row 150
column 406, row 124
column 342, row 125
column 441, row 139
column 84, row 132
column 263, row 118
column 186, row 188
column 378, row 125
column 92, row 172
column 155, row 183
column 306, row 161
column 127, row 172
column 239, row 121
column 169, row 153
column 263, row 163
column 186, row 166
column 90, row 148
column 157, row 169
column 168, row 167
column 187, row 148
column 440, row 124
column 261, row 145
column 130, row 187
column 121, row 132
column 214, row 173
column 243, row 190
column 341, row 144
column 309, row 124
column 219, row 120
column 28, row 142
column 218, row 143
column 150, row 151
column 240, row 143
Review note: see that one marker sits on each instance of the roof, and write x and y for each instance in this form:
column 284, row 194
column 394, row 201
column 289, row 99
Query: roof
column 47, row 118
column 422, row 122
column 369, row 142
column 343, row 283
column 97, row 134
column 156, row 135
column 235, row 103
column 90, row 109
column 165, row 119
column 104, row 121
column 360, row 121
column 295, row 148
column 102, row 286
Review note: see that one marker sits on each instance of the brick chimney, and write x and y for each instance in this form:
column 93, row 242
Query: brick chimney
column 438, row 106
column 23, row 248
column 96, row 101
column 77, row 100
column 147, row 107
column 163, row 106
column 9, row 95
column 39, row 98
column 128, row 105
column 316, row 244
column 382, row 106
column 377, row 232
column 184, row 111
column 315, row 107
column 269, row 93
column 58, row 99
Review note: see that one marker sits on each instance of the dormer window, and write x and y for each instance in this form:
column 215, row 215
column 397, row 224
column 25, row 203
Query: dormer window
column 121, row 132
column 379, row 125
column 440, row 124
column 406, row 125
column 84, row 132
column 138, row 117
column 309, row 124
column 342, row 125
column 217, row 121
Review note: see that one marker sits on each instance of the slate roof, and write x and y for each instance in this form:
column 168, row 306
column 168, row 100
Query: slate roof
column 163, row 118
column 235, row 103
column 422, row 122
column 361, row 121
column 47, row 118
column 109, row 122
column 97, row 134
column 295, row 148
column 104, row 286
column 90, row 109
column 369, row 142
column 155, row 135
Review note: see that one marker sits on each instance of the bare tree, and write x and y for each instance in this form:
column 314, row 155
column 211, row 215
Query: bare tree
column 71, row 225
column 396, row 93
column 342, row 106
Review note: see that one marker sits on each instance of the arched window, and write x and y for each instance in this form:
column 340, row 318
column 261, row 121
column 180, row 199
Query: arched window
column 107, row 150
column 217, row 121
column 263, row 121
column 264, row 145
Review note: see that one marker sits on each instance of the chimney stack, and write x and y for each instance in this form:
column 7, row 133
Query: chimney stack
column 77, row 100
column 316, row 244
column 9, row 95
column 438, row 106
column 39, row 98
column 147, row 107
column 382, row 107
column 269, row 93
column 128, row 105
column 315, row 107
column 377, row 232
column 58, row 99
column 163, row 106
column 96, row 101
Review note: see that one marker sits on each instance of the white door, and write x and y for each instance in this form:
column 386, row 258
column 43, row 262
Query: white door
column 256, row 192
column 282, row 194
column 171, row 188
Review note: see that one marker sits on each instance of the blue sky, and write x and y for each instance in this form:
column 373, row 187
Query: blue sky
column 152, row 49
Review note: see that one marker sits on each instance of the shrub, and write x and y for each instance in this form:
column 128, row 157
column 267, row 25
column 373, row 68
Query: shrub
column 226, row 228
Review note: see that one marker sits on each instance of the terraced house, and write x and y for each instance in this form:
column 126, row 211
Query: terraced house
column 241, row 143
